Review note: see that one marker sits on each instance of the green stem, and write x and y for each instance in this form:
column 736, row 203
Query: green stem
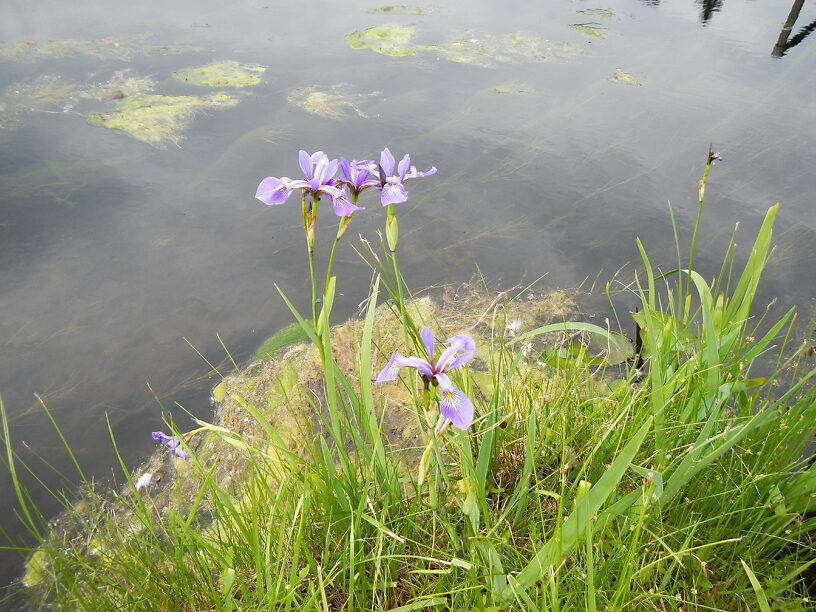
column 701, row 196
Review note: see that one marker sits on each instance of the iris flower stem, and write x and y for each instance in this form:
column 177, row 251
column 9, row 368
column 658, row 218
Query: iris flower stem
column 309, row 224
column 400, row 300
column 696, row 228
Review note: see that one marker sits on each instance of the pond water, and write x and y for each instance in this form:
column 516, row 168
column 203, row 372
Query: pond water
column 560, row 129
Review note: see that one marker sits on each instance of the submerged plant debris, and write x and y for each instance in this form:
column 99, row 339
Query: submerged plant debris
column 54, row 94
column 590, row 30
column 222, row 74
column 400, row 9
column 513, row 88
column 625, row 78
column 487, row 50
column 597, row 13
column 336, row 102
column 44, row 94
column 389, row 39
column 122, row 49
column 158, row 119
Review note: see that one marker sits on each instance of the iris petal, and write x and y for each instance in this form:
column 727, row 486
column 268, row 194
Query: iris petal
column 305, row 161
column 273, row 190
column 387, row 162
column 428, row 340
column 457, row 407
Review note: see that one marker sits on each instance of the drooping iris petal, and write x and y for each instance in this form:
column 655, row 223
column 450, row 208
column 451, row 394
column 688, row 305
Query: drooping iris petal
column 428, row 340
column 391, row 369
column 273, row 190
column 343, row 207
column 456, row 406
column 393, row 193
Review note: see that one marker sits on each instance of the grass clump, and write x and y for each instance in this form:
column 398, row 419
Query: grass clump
column 678, row 478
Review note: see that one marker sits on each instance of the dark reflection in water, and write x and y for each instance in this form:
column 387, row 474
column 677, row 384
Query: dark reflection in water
column 708, row 8
column 784, row 43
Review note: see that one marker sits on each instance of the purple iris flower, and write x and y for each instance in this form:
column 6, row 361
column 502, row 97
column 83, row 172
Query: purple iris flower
column 171, row 443
column 358, row 175
column 392, row 184
column 318, row 171
column 453, row 404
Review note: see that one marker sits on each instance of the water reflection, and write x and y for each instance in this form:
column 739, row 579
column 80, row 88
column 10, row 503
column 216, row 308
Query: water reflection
column 783, row 43
column 708, row 8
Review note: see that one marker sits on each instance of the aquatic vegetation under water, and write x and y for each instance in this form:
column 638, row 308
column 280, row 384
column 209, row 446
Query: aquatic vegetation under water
column 590, row 30
column 158, row 119
column 120, row 49
column 625, row 78
column 335, row 102
column 485, row 50
column 391, row 39
column 399, row 9
column 222, row 74
column 597, row 13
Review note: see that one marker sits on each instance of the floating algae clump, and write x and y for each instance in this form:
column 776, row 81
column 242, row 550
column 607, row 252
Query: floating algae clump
column 157, row 119
column 222, row 74
column 336, row 102
column 390, row 39
column 624, row 77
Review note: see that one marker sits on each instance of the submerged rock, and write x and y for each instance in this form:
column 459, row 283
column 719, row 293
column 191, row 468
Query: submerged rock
column 222, row 74
column 286, row 390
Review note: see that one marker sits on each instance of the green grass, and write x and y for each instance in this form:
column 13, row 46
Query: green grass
column 682, row 485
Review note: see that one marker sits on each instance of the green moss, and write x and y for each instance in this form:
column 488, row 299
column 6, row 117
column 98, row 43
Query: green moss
column 591, row 30
column 222, row 74
column 624, row 77
column 399, row 9
column 158, row 119
column 289, row 335
column 390, row 39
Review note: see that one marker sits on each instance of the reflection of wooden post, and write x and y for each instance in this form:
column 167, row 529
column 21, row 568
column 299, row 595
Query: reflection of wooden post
column 782, row 41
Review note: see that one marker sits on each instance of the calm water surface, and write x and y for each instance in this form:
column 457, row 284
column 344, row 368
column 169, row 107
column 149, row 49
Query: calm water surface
column 113, row 252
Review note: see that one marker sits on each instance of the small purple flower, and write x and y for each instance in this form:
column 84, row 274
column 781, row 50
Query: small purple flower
column 453, row 404
column 171, row 443
column 357, row 175
column 392, row 184
column 318, row 171
column 715, row 157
